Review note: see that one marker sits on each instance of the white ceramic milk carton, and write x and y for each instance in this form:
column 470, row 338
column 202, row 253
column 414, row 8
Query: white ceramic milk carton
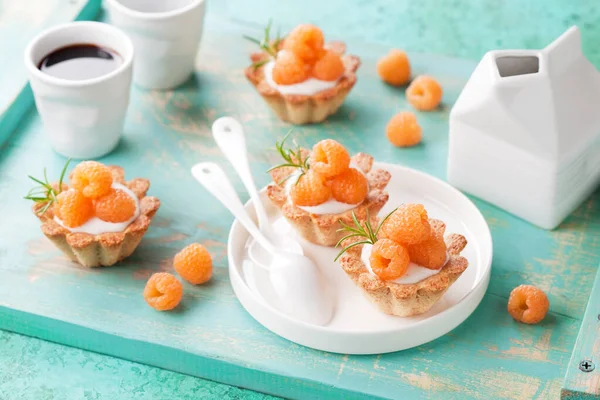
column 525, row 131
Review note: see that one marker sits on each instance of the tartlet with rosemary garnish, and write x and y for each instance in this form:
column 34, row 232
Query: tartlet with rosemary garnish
column 406, row 264
column 97, row 220
column 319, row 188
column 300, row 77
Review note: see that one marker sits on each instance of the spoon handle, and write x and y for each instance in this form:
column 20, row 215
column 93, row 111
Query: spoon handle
column 212, row 177
column 229, row 136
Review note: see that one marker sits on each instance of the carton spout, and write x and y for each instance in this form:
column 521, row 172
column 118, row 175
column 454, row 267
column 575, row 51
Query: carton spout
column 564, row 50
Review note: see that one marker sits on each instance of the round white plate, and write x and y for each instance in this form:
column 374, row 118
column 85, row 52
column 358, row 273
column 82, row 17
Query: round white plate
column 358, row 327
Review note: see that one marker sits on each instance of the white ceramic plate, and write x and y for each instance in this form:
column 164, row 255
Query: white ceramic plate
column 358, row 327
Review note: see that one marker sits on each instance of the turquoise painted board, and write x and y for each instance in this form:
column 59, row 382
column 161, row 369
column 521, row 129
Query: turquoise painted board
column 20, row 21
column 583, row 373
column 211, row 335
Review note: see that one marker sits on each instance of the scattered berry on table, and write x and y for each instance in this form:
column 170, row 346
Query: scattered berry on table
column 163, row 291
column 329, row 158
column 115, row 206
column 408, row 225
column 92, row 179
column 193, row 264
column 350, row 187
column 73, row 208
column 306, row 41
column 424, row 93
column 403, row 130
column 329, row 67
column 389, row 260
column 310, row 190
column 394, row 68
column 528, row 304
column 430, row 253
column 289, row 69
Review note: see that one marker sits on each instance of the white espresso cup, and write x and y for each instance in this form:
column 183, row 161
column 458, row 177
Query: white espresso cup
column 83, row 118
column 165, row 34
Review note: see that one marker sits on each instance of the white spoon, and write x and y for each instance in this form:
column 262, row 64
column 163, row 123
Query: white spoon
column 229, row 136
column 301, row 288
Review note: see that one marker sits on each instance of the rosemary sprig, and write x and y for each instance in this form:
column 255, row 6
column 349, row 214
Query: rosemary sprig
column 366, row 232
column 292, row 157
column 267, row 45
column 45, row 192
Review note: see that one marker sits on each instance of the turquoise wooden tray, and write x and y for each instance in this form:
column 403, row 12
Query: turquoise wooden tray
column 210, row 335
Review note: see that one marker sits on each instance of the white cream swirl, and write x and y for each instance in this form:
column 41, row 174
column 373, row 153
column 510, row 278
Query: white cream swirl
column 96, row 226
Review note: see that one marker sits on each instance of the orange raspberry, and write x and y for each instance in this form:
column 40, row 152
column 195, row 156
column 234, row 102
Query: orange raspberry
column 310, row 190
column 407, row 225
column 403, row 130
column 289, row 69
column 306, row 41
column 72, row 208
column 350, row 187
column 92, row 179
column 424, row 93
column 329, row 158
column 193, row 264
column 389, row 260
column 528, row 304
column 394, row 68
column 329, row 67
column 116, row 206
column 163, row 291
column 430, row 253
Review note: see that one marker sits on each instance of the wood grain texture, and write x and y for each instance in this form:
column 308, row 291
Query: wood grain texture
column 581, row 384
column 21, row 21
column 489, row 356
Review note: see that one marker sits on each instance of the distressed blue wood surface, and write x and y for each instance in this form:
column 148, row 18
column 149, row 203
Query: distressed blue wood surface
column 488, row 356
column 20, row 21
column 583, row 373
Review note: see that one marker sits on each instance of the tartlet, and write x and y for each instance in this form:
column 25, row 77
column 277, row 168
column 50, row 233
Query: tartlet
column 324, row 229
column 103, row 249
column 406, row 300
column 302, row 109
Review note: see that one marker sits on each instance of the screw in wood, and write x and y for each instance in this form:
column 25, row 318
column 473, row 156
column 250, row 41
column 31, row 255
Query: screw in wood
column 586, row 366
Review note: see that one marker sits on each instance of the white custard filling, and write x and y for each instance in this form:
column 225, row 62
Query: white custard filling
column 306, row 88
column 331, row 206
column 96, row 226
column 415, row 273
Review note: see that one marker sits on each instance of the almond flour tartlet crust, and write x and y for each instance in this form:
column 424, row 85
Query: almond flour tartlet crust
column 305, row 109
column 323, row 229
column 104, row 249
column 405, row 300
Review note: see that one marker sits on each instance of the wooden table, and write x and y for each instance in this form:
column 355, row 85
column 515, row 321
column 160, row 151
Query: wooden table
column 489, row 356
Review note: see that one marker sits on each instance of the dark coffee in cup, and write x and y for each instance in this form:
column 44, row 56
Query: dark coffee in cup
column 80, row 62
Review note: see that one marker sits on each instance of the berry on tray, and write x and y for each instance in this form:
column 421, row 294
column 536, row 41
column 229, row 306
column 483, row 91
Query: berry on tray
column 403, row 130
column 394, row 68
column 408, row 224
column 92, row 179
column 194, row 264
column 115, row 206
column 350, row 187
column 432, row 252
column 306, row 41
column 289, row 69
column 329, row 158
column 73, row 208
column 311, row 189
column 424, row 93
column 163, row 291
column 528, row 304
column 329, row 67
column 389, row 260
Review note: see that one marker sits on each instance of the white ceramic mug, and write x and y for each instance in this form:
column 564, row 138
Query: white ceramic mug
column 83, row 118
column 165, row 34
